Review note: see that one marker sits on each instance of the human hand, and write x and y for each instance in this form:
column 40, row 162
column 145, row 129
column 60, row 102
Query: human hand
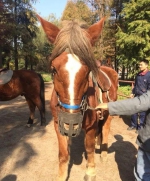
column 102, row 106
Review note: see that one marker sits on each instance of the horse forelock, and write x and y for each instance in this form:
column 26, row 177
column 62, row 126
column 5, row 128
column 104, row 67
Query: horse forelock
column 76, row 41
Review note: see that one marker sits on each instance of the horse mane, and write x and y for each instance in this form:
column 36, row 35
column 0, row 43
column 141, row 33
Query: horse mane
column 74, row 38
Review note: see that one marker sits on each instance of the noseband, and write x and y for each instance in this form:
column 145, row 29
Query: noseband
column 68, row 106
column 83, row 106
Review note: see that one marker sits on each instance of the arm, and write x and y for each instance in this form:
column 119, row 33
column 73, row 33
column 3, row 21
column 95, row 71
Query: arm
column 128, row 106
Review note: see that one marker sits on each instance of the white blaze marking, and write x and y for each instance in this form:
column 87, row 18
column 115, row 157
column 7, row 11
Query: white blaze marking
column 72, row 66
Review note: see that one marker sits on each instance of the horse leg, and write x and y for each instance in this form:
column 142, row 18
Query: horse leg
column 63, row 155
column 90, row 150
column 98, row 140
column 42, row 113
column 105, row 133
column 32, row 111
column 41, row 107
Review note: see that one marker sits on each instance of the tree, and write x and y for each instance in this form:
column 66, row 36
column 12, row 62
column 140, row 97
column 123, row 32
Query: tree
column 89, row 12
column 18, row 22
column 25, row 29
column 133, row 38
column 77, row 10
column 105, row 47
column 43, row 46
column 5, row 33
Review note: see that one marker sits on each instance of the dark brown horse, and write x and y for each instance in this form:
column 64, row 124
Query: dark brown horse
column 28, row 84
column 79, row 85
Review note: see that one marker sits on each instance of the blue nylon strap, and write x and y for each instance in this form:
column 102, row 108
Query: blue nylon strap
column 67, row 106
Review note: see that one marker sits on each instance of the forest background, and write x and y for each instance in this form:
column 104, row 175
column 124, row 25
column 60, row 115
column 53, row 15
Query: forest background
column 124, row 41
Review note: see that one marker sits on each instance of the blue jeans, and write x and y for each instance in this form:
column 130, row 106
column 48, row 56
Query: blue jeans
column 142, row 167
column 134, row 120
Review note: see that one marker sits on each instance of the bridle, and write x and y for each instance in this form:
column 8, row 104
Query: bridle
column 72, row 120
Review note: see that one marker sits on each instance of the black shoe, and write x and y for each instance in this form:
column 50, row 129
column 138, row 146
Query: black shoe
column 131, row 128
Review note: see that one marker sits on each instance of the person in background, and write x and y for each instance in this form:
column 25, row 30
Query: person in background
column 142, row 84
column 129, row 107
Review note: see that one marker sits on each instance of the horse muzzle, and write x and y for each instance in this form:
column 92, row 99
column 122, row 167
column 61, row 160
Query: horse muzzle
column 70, row 124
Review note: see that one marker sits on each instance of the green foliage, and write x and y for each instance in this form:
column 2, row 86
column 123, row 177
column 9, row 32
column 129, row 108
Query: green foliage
column 91, row 11
column 46, row 76
column 133, row 37
column 19, row 30
column 43, row 47
column 124, row 90
column 77, row 10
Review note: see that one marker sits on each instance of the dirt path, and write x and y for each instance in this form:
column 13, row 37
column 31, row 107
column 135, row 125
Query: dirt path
column 30, row 154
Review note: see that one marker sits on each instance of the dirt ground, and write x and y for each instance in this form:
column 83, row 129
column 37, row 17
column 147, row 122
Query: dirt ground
column 31, row 154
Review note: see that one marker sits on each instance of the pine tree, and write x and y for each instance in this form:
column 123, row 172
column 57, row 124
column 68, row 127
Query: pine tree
column 133, row 37
column 20, row 19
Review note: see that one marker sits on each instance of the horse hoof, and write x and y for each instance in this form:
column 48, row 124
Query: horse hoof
column 28, row 125
column 97, row 146
column 89, row 178
column 43, row 122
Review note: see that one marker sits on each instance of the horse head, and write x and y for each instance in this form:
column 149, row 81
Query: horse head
column 71, row 61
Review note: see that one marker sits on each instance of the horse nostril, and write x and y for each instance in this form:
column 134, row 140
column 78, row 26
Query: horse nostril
column 66, row 126
column 75, row 126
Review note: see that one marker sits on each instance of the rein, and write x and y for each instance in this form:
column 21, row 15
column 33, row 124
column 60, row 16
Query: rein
column 84, row 105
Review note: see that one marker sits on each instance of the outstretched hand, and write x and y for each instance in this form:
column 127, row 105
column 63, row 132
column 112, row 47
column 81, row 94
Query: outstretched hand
column 102, row 106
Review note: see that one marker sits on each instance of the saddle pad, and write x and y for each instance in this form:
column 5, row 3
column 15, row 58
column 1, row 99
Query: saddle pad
column 5, row 76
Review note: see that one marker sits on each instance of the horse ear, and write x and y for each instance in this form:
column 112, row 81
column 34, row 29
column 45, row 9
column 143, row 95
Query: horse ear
column 95, row 30
column 50, row 29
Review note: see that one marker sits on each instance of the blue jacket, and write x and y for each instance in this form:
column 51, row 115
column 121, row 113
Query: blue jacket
column 142, row 83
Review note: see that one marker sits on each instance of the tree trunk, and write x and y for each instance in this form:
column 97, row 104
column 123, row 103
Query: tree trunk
column 26, row 62
column 1, row 65
column 123, row 73
column 7, row 65
column 15, row 53
column 15, row 38
column 31, row 64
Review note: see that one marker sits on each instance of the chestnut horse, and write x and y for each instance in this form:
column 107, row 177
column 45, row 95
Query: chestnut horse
column 79, row 86
column 28, row 84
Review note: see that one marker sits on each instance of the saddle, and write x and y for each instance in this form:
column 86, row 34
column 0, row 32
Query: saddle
column 5, row 76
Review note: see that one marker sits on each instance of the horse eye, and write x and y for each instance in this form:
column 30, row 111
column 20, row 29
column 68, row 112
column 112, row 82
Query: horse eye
column 53, row 70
